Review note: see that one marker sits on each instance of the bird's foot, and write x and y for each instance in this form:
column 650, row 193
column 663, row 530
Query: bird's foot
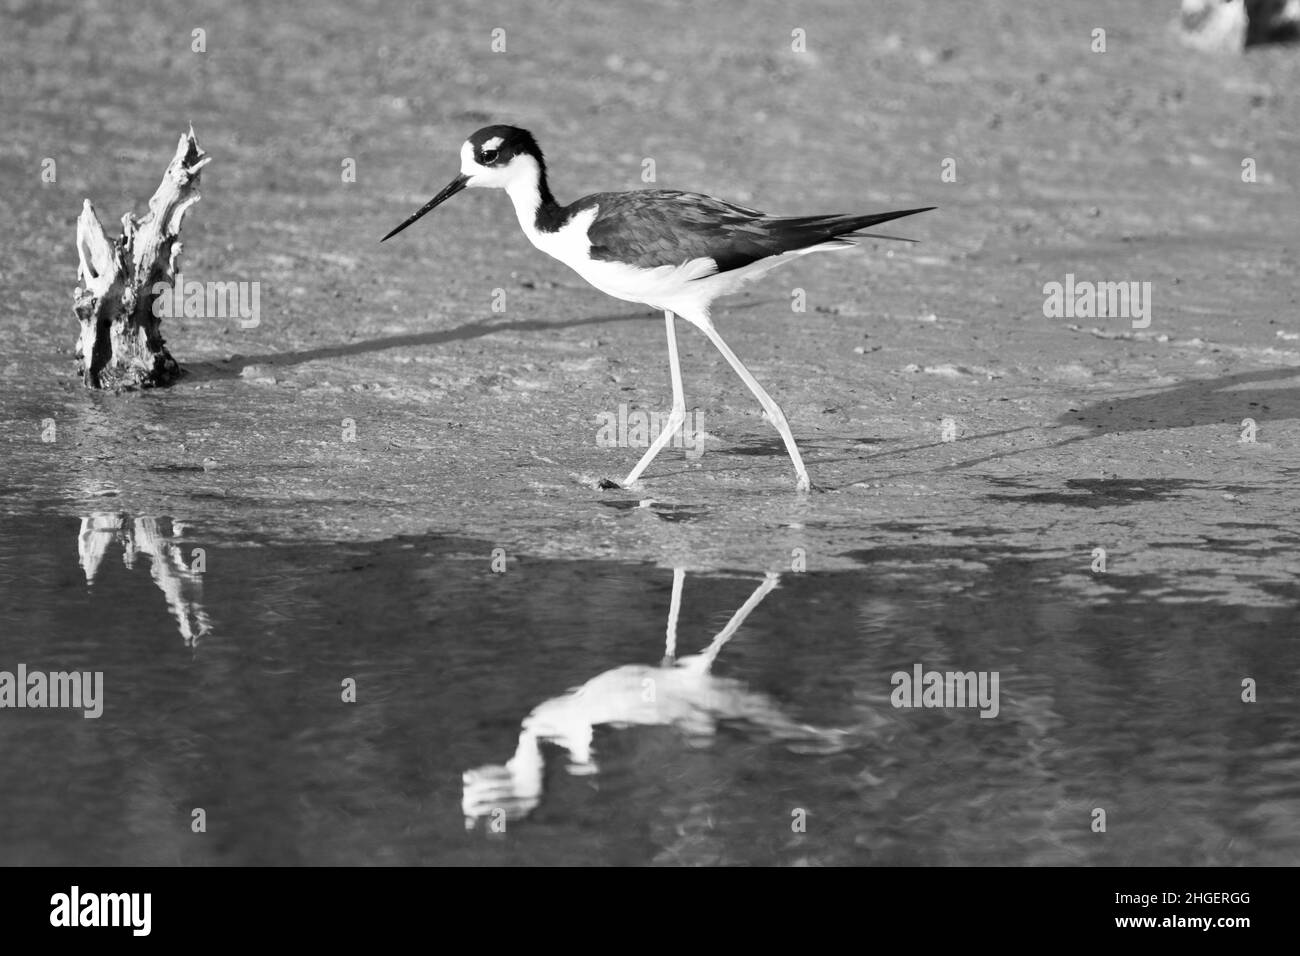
column 804, row 485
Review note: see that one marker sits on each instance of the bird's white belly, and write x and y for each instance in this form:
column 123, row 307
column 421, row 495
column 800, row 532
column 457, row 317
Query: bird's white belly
column 663, row 287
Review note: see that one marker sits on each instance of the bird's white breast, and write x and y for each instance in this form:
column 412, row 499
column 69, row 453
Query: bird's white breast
column 569, row 243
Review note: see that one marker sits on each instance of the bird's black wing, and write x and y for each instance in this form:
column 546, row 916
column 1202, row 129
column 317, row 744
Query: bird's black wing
column 664, row 227
column 659, row 227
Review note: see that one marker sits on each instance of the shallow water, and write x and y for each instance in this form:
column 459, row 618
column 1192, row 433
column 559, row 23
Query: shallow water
column 222, row 691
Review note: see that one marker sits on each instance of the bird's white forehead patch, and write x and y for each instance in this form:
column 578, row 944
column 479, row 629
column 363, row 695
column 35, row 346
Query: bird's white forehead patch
column 493, row 143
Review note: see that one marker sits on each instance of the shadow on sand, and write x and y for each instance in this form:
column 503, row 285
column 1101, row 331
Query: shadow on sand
column 233, row 366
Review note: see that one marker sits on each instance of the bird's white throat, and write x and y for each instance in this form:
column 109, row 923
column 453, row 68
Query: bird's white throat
column 524, row 190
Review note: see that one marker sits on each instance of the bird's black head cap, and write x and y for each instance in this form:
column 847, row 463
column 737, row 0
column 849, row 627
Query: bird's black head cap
column 497, row 145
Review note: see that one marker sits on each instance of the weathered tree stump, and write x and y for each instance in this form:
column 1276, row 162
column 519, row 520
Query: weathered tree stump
column 120, row 345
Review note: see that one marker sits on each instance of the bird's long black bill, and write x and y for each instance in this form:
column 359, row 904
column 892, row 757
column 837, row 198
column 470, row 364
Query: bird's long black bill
column 453, row 187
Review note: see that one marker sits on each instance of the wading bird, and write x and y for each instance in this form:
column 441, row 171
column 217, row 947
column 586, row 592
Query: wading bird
column 673, row 251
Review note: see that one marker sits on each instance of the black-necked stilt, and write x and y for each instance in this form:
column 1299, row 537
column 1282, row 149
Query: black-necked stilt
column 669, row 250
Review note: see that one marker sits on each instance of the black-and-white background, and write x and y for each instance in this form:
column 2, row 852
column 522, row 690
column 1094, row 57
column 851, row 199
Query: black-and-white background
column 346, row 593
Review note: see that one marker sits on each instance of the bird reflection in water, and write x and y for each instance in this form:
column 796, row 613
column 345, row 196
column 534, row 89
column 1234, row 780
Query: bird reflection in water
column 681, row 692
column 180, row 583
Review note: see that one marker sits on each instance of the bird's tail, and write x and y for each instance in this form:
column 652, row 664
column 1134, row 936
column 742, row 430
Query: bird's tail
column 841, row 230
column 856, row 224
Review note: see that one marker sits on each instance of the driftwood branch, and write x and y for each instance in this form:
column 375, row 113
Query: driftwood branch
column 120, row 345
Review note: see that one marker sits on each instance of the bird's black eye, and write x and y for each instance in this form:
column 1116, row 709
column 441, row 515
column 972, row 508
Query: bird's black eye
column 489, row 157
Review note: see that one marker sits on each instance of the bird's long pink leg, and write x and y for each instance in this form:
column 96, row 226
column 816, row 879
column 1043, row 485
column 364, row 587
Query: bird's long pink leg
column 771, row 407
column 678, row 414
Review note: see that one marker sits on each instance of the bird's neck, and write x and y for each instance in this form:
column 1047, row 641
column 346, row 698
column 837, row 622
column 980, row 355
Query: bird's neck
column 536, row 208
